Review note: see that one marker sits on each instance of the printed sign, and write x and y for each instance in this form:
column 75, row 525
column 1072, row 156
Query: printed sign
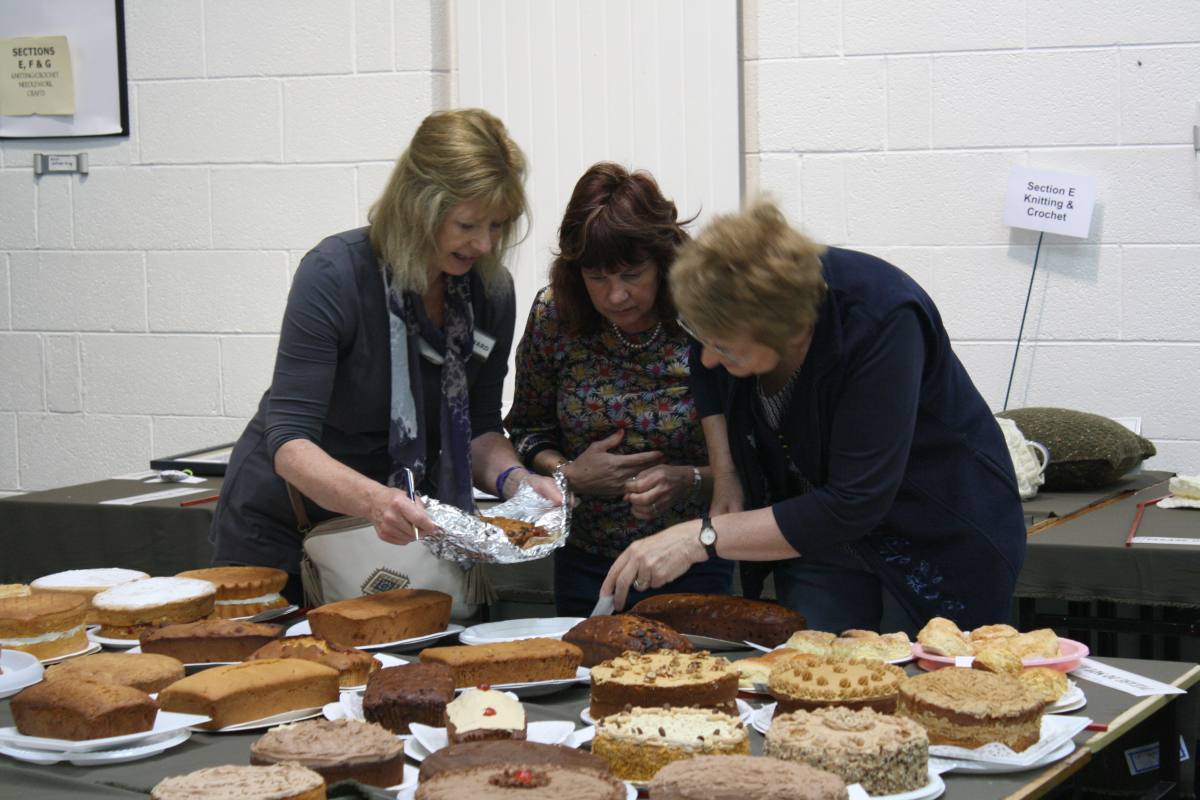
column 1121, row 680
column 36, row 77
column 1054, row 202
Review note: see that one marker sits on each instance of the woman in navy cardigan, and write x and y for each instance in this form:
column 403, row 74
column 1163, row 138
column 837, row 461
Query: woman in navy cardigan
column 850, row 451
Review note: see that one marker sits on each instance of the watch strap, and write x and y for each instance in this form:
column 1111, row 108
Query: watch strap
column 706, row 525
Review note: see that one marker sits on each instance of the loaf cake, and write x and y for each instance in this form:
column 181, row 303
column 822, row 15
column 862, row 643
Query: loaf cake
column 243, row 591
column 639, row 742
column 82, row 710
column 397, row 696
column 507, row 662
column 339, row 750
column 503, row 752
column 383, row 617
column 744, row 778
column 831, row 681
column 86, row 582
column 353, row 666
column 128, row 609
column 608, row 636
column 886, row 754
column 144, row 671
column 665, row 678
column 481, row 714
column 274, row 782
column 970, row 708
column 869, row 644
column 818, row 643
column 252, row 690
column 45, row 625
column 723, row 617
column 519, row 782
column 755, row 672
column 209, row 640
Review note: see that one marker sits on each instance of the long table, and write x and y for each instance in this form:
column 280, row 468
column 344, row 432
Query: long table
column 1120, row 712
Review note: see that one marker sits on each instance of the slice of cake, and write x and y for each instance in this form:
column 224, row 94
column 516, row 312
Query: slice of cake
column 505, row 752
column 128, row 609
column 86, row 582
column 144, row 671
column 520, row 782
column 383, row 617
column 723, row 617
column 744, row 778
column 970, row 708
column 832, row 681
column 243, row 591
column 252, row 690
column 608, row 636
column 886, row 754
column 639, row 742
column 339, row 750
column 817, row 643
column 353, row 666
column 81, row 710
column 398, row 696
column 274, row 782
column 665, row 678
column 209, row 640
column 480, row 714
column 45, row 625
column 522, row 661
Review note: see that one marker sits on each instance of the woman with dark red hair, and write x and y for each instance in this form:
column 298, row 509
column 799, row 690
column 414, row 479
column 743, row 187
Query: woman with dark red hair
column 602, row 386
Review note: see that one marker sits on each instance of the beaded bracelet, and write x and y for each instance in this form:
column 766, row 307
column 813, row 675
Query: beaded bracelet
column 504, row 477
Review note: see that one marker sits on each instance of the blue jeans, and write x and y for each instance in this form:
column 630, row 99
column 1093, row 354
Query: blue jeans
column 579, row 575
column 836, row 591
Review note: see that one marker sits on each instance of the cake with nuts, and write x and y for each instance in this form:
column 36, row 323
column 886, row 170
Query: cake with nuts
column 970, row 708
column 755, row 672
column 744, row 778
column 665, row 678
column 521, row 782
column 830, row 681
column 609, row 635
column 886, row 754
column 639, row 742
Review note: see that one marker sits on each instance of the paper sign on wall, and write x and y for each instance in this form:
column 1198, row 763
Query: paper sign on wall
column 36, row 77
column 1055, row 202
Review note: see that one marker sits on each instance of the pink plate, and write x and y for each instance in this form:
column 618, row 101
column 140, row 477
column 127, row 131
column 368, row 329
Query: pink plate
column 1071, row 651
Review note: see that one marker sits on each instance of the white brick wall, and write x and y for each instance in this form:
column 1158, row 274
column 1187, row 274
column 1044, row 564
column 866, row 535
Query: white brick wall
column 891, row 127
column 139, row 305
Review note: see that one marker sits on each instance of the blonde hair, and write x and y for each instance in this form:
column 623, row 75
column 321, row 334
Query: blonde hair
column 454, row 157
column 749, row 274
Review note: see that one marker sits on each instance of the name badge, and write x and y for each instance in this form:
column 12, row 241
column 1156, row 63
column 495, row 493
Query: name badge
column 481, row 348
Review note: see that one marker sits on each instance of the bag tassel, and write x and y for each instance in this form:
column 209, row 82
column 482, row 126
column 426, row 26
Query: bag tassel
column 479, row 590
column 311, row 579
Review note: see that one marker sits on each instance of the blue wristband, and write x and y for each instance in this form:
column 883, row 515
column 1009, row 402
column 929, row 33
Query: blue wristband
column 502, row 478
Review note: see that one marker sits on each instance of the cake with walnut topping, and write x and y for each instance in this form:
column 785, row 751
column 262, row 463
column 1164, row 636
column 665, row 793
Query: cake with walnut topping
column 831, row 681
column 665, row 678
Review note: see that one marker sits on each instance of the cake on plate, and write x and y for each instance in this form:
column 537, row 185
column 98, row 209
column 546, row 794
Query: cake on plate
column 504, row 752
column 520, row 782
column 744, row 778
column 382, row 617
column 755, row 672
column 869, row 644
column 398, row 696
column 832, row 681
column 209, row 640
column 339, row 750
column 251, row 690
column 608, row 636
column 817, row 643
column 481, row 714
column 45, row 624
column 353, row 666
column 521, row 661
column 886, row 754
column 274, row 782
column 145, row 671
column 970, row 708
column 1049, row 684
column 243, row 591
column 81, row 710
column 639, row 742
column 665, row 678
column 128, row 609
column 723, row 617
column 87, row 582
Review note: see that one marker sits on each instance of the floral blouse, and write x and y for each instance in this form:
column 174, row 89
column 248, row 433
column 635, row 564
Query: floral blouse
column 572, row 391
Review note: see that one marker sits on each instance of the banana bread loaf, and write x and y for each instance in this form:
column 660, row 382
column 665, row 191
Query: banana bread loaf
column 723, row 617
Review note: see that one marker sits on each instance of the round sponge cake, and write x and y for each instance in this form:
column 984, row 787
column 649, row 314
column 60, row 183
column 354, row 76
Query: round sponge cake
column 126, row 610
column 274, row 782
column 44, row 625
column 243, row 591
column 744, row 778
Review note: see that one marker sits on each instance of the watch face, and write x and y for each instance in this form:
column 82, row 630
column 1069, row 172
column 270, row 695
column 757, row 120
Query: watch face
column 708, row 536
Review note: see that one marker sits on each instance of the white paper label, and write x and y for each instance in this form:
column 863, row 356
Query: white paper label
column 964, row 661
column 146, row 498
column 1055, row 202
column 1122, row 681
column 1164, row 540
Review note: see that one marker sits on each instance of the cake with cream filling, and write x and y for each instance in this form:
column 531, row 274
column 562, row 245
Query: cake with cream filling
column 828, row 680
column 128, row 609
column 479, row 714
column 339, row 750
column 665, row 678
column 970, row 708
column 521, row 782
column 86, row 582
column 274, row 782
column 639, row 742
column 145, row 671
column 744, row 778
column 45, row 625
column 886, row 754
column 243, row 591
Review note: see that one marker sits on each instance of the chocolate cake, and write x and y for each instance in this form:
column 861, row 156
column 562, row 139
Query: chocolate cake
column 338, row 750
column 396, row 696
column 503, row 752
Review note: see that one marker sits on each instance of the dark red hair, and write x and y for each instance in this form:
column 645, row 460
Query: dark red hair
column 615, row 220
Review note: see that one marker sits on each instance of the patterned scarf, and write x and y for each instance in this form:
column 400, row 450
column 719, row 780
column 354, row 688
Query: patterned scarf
column 407, row 444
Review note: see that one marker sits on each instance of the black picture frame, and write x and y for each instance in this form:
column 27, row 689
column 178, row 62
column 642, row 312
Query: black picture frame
column 207, row 461
column 9, row 24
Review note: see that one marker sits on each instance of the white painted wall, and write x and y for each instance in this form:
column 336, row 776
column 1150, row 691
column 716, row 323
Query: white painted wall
column 140, row 305
column 891, row 127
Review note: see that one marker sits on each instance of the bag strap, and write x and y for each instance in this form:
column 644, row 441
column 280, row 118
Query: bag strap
column 303, row 523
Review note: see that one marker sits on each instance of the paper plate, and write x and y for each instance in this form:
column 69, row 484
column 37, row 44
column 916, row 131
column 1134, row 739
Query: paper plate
column 350, row 706
column 164, row 722
column 934, row 788
column 983, row 767
column 99, row 757
column 1055, row 732
column 426, row 740
column 302, row 628
column 295, row 715
column 93, row 634
column 17, row 671
column 1072, row 700
column 538, row 688
column 510, row 630
column 93, row 647
column 745, row 713
column 1070, row 652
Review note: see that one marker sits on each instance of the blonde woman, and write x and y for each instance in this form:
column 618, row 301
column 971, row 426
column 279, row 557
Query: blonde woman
column 847, row 443
column 393, row 351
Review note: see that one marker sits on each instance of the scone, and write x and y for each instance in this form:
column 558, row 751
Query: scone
column 869, row 644
column 997, row 658
column 819, row 643
column 1042, row 643
column 1049, row 684
column 941, row 637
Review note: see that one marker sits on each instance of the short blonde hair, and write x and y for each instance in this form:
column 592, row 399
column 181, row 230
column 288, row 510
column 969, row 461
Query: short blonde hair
column 749, row 274
column 454, row 157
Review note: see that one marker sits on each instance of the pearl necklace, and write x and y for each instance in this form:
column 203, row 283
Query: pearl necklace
column 635, row 347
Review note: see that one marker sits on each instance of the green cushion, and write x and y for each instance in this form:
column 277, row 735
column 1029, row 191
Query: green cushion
column 1087, row 451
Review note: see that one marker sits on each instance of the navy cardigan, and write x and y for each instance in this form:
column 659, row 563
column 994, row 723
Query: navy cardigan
column 907, row 463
